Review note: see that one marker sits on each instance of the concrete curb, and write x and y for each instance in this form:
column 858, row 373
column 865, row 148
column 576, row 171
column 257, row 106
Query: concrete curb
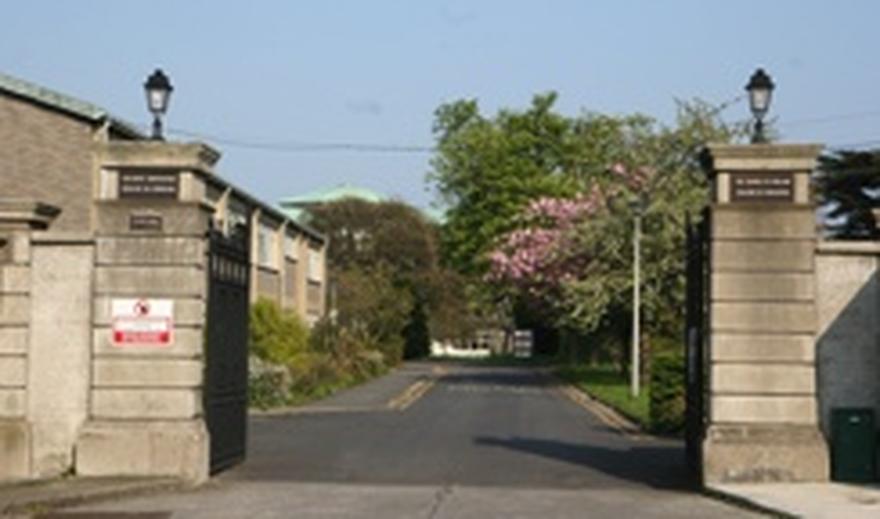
column 23, row 499
column 606, row 413
column 745, row 503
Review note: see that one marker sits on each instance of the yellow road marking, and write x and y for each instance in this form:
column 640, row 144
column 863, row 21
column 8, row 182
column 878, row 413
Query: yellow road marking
column 410, row 395
column 604, row 414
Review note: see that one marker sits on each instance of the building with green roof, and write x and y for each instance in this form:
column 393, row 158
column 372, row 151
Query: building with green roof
column 295, row 206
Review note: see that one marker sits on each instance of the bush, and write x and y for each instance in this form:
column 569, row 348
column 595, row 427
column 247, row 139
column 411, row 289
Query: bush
column 667, row 404
column 277, row 336
column 268, row 384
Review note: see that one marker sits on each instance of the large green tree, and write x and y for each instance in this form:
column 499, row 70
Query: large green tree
column 491, row 172
column 848, row 187
column 486, row 169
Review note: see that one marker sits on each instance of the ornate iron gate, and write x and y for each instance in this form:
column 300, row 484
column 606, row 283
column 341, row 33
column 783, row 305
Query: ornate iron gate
column 697, row 322
column 226, row 348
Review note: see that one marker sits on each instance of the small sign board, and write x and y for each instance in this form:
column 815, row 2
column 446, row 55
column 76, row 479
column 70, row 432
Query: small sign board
column 145, row 222
column 762, row 187
column 144, row 183
column 523, row 343
column 142, row 322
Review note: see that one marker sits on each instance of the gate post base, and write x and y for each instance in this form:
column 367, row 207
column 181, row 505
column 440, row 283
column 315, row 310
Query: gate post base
column 144, row 448
column 764, row 453
column 15, row 454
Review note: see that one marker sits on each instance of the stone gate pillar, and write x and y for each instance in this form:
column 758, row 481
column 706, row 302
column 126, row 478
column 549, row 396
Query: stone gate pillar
column 145, row 415
column 762, row 411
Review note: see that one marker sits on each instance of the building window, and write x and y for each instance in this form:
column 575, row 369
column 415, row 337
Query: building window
column 267, row 247
column 291, row 248
column 316, row 266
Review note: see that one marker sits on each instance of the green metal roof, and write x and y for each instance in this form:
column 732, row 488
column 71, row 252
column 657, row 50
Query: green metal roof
column 333, row 194
column 63, row 103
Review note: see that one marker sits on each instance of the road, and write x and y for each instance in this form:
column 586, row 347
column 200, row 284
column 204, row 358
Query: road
column 442, row 441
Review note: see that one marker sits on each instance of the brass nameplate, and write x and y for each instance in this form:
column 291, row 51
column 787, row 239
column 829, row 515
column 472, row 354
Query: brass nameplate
column 148, row 184
column 762, row 187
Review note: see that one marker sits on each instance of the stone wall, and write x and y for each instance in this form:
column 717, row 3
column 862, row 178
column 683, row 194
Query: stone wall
column 14, row 317
column 848, row 339
column 148, row 398
column 762, row 395
column 59, row 356
column 48, row 156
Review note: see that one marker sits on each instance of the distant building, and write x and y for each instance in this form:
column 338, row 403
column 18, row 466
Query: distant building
column 296, row 206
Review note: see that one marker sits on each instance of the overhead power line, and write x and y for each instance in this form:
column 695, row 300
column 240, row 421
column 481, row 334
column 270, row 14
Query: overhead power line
column 832, row 118
column 306, row 146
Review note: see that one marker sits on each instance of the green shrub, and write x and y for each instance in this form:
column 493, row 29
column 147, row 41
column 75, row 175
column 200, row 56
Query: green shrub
column 277, row 336
column 667, row 399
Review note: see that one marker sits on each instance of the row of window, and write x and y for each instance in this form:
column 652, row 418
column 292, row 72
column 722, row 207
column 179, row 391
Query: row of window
column 267, row 253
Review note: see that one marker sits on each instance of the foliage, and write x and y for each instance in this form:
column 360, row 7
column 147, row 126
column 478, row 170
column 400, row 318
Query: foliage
column 848, row 187
column 486, row 170
column 667, row 393
column 541, row 208
column 371, row 304
column 384, row 262
column 289, row 365
column 417, row 337
column 276, row 336
column 391, row 235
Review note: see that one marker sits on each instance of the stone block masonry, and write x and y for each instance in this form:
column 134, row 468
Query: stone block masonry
column 762, row 409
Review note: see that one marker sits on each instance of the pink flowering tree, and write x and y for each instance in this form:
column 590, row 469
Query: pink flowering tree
column 545, row 256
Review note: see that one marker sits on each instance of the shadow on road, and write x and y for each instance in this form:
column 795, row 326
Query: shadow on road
column 659, row 466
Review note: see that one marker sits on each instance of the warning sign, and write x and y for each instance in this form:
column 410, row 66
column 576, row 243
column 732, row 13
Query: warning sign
column 142, row 322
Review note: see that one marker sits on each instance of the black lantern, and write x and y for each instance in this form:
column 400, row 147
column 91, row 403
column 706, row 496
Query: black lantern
column 760, row 90
column 158, row 90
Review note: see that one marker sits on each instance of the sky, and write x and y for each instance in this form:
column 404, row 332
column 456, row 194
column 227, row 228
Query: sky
column 258, row 79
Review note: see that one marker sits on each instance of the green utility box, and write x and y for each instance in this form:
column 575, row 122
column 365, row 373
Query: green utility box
column 853, row 444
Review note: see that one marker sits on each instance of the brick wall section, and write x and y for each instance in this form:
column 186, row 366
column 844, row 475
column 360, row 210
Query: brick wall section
column 47, row 156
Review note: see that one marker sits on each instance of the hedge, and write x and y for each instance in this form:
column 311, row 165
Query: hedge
column 667, row 398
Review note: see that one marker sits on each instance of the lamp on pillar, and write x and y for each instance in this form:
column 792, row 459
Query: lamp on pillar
column 158, row 89
column 760, row 89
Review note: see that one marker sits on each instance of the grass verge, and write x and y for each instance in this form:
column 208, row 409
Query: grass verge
column 606, row 384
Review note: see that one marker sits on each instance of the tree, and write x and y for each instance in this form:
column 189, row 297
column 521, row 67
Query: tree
column 540, row 207
column 486, row 170
column 848, row 188
column 384, row 260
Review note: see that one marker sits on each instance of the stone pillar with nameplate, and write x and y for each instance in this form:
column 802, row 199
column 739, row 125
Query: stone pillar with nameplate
column 762, row 422
column 146, row 415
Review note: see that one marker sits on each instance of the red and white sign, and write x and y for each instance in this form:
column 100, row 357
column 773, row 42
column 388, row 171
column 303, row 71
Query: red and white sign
column 142, row 322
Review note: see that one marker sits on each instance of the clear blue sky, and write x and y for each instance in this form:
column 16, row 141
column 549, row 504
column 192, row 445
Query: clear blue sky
column 374, row 71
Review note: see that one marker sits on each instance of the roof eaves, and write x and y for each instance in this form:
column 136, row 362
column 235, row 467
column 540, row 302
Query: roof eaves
column 50, row 98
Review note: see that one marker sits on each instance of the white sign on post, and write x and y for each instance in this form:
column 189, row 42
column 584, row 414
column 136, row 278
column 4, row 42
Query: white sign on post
column 523, row 343
column 142, row 322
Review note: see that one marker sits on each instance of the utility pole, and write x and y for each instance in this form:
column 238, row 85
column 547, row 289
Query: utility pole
column 637, row 296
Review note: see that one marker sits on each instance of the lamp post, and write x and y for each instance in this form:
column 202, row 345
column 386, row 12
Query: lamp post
column 158, row 89
column 637, row 204
column 760, row 89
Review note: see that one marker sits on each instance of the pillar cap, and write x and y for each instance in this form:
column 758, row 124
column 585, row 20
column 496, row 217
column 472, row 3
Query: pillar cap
column 25, row 213
column 760, row 157
column 191, row 156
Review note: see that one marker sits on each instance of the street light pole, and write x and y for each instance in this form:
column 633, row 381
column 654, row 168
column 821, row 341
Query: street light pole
column 637, row 296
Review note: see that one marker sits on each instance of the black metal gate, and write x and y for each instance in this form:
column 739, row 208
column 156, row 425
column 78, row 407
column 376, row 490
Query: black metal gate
column 226, row 348
column 696, row 331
